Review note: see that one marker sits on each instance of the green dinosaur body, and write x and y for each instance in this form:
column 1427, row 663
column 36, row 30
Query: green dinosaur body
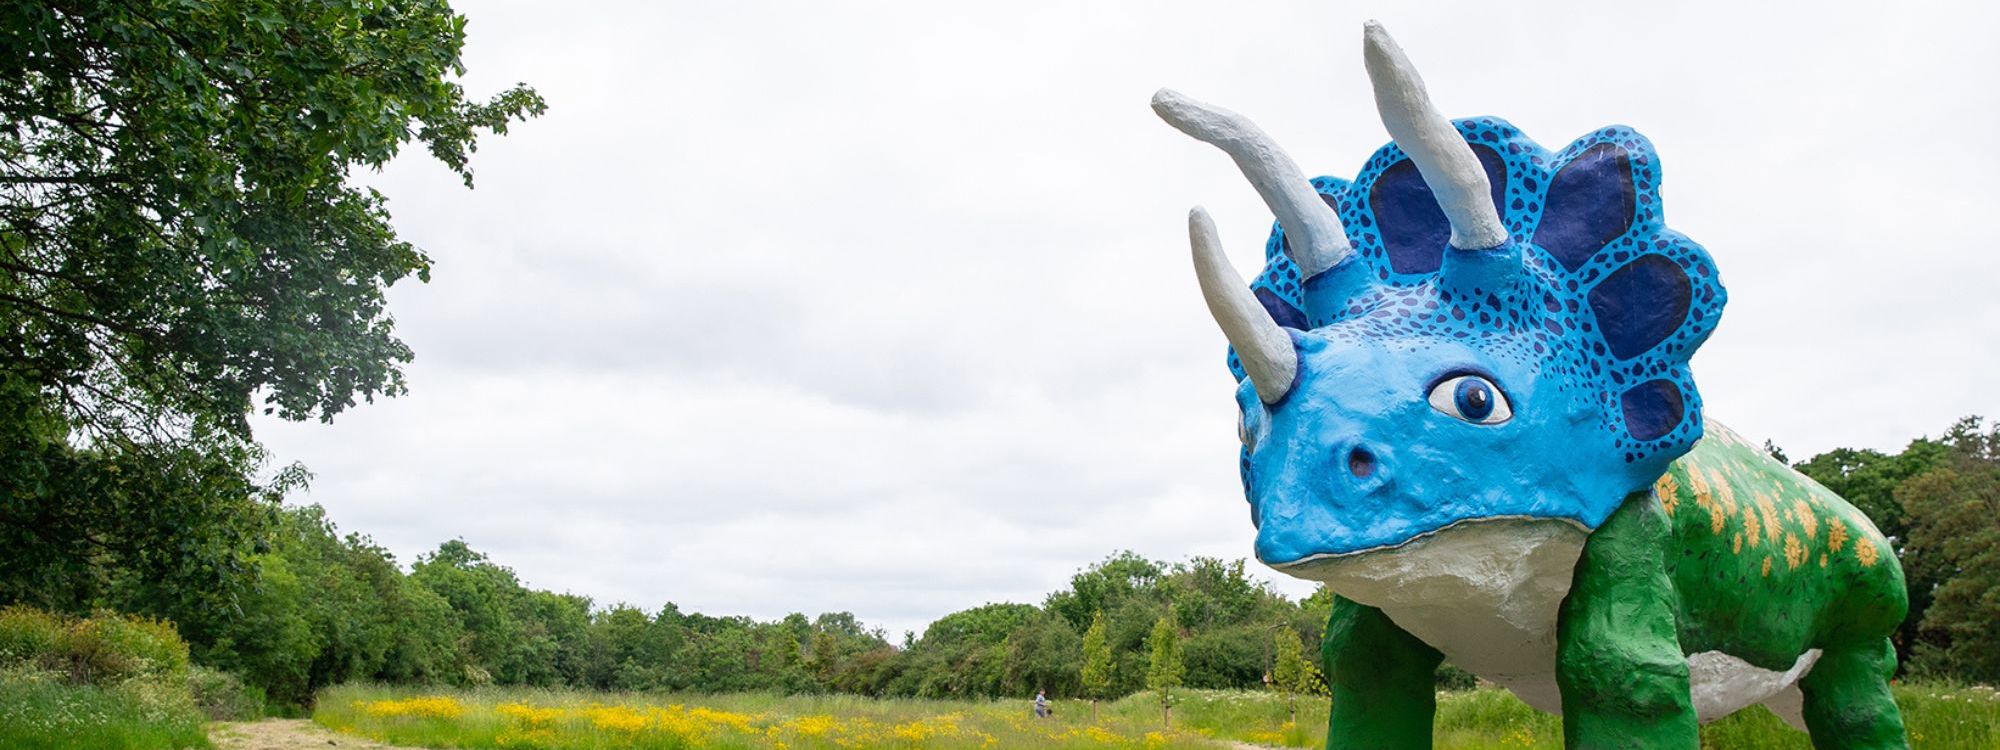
column 1734, row 563
column 1772, row 563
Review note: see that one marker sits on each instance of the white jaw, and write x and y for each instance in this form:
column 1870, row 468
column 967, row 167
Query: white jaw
column 1485, row 592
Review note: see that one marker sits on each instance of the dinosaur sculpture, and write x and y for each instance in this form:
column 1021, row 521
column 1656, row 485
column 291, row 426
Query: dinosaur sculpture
column 1466, row 408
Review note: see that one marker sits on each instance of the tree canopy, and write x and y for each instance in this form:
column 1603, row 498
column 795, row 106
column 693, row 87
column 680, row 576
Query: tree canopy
column 180, row 234
column 180, row 244
column 1953, row 510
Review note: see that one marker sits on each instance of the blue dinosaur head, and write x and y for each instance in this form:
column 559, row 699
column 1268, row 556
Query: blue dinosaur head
column 1512, row 344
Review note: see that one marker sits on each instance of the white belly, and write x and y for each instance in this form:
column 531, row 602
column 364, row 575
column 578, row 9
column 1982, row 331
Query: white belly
column 1486, row 593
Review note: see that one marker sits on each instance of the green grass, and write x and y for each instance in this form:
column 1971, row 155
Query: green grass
column 1936, row 716
column 44, row 711
column 107, row 681
column 1941, row 717
column 1949, row 716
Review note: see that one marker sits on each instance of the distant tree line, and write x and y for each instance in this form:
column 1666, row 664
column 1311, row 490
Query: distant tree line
column 279, row 596
column 302, row 607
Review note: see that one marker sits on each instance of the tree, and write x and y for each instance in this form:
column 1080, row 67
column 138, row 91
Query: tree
column 1954, row 514
column 555, row 637
column 824, row 658
column 1288, row 666
column 1163, row 673
column 489, row 602
column 179, row 238
column 1292, row 674
column 1096, row 662
column 1771, row 448
column 180, row 234
column 1041, row 654
column 1207, row 592
column 1224, row 657
column 628, row 651
column 964, row 653
column 1105, row 586
column 163, row 530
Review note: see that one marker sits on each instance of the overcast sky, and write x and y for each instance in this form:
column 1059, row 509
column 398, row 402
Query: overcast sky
column 886, row 308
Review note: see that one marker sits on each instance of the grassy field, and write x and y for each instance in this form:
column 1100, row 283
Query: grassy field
column 43, row 711
column 106, row 682
column 1939, row 717
column 562, row 720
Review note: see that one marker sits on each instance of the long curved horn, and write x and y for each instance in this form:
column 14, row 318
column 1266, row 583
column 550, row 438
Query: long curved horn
column 1448, row 165
column 1261, row 345
column 1310, row 226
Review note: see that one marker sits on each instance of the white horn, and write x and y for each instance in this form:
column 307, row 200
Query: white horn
column 1446, row 162
column 1261, row 345
column 1310, row 226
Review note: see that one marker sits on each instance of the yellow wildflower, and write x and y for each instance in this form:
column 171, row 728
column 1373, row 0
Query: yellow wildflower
column 617, row 718
column 423, row 707
column 533, row 716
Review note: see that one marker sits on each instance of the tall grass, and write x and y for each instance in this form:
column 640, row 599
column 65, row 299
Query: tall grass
column 1936, row 716
column 1942, row 717
column 107, row 681
column 42, row 711
column 1945, row 717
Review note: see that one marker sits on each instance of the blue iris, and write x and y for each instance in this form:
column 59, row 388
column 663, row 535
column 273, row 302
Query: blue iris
column 1473, row 398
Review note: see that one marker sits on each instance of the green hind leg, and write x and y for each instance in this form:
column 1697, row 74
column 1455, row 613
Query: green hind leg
column 1624, row 680
column 1383, row 680
column 1847, row 700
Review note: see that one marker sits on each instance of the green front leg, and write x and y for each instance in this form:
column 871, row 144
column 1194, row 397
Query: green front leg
column 1619, row 664
column 1383, row 679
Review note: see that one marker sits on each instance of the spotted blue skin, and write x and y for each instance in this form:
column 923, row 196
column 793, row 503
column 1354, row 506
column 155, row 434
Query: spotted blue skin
column 1584, row 320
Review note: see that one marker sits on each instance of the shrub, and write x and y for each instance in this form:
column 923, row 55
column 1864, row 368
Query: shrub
column 107, row 681
column 28, row 636
column 224, row 696
column 104, row 649
column 108, row 648
column 1450, row 677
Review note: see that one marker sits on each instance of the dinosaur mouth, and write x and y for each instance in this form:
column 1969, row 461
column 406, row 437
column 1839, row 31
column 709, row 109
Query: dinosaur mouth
column 1485, row 591
column 1447, row 542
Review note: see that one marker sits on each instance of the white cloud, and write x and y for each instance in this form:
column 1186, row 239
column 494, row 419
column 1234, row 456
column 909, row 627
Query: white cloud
column 885, row 308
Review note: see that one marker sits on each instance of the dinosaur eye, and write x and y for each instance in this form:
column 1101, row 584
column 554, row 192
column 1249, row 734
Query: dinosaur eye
column 1471, row 398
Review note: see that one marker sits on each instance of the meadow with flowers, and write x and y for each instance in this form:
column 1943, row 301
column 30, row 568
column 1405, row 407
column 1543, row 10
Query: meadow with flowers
column 568, row 720
column 1941, row 717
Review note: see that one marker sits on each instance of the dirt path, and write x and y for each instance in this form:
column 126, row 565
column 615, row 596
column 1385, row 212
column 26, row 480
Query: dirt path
column 285, row 734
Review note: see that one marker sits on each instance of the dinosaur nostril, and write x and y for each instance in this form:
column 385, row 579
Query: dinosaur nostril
column 1361, row 463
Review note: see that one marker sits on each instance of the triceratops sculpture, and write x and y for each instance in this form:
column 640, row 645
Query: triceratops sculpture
column 1466, row 408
